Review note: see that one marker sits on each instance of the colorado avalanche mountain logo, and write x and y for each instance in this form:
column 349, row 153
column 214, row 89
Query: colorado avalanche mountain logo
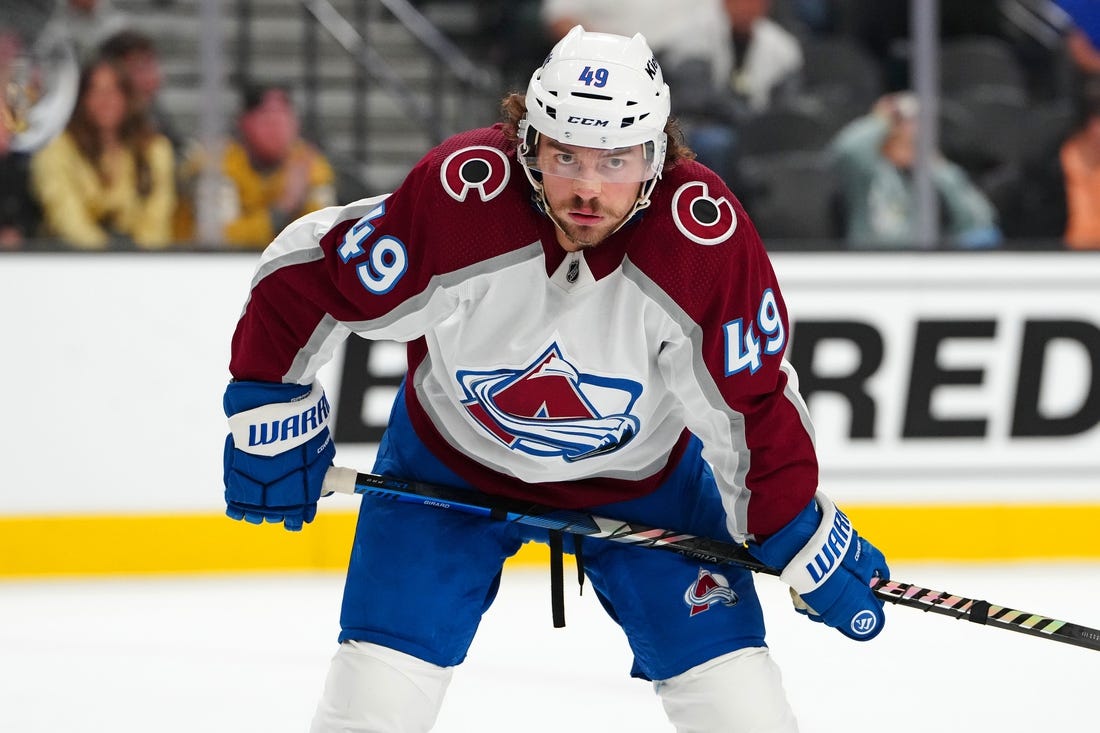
column 708, row 589
column 551, row 409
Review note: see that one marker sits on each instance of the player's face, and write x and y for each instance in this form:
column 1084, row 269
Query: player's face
column 589, row 191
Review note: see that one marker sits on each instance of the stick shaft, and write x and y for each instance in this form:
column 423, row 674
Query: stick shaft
column 348, row 481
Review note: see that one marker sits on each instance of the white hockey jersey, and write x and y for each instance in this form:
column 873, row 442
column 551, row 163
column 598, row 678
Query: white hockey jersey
column 571, row 379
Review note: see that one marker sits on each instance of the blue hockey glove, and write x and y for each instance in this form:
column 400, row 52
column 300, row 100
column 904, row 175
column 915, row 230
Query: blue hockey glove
column 277, row 451
column 829, row 568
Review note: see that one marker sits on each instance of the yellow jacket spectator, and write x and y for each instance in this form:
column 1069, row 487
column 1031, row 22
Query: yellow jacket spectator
column 108, row 181
column 272, row 175
column 269, row 199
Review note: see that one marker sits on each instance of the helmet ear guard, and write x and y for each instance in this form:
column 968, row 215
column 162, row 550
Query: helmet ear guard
column 528, row 144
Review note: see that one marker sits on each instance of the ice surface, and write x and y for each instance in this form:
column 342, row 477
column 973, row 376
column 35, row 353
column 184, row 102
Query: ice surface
column 249, row 653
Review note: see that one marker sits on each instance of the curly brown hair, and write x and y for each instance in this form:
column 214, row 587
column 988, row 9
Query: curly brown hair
column 514, row 106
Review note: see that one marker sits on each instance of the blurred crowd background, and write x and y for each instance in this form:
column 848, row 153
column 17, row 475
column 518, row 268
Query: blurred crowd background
column 210, row 124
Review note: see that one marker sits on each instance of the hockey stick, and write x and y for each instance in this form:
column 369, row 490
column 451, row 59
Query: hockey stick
column 571, row 521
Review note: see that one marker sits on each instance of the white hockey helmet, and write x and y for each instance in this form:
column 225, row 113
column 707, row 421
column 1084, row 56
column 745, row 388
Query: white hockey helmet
column 598, row 90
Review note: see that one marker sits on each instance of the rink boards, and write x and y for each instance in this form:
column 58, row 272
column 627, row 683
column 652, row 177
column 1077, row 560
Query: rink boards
column 955, row 400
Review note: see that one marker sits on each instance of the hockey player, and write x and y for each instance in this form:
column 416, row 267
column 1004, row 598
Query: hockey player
column 592, row 321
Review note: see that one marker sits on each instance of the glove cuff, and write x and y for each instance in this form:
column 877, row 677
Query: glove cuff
column 822, row 554
column 271, row 429
column 246, row 395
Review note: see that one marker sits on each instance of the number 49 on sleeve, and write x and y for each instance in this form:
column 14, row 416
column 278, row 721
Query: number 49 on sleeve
column 744, row 349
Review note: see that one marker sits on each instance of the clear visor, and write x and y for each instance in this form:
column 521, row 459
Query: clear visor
column 619, row 165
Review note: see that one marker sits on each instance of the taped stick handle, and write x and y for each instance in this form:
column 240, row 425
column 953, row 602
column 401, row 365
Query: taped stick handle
column 349, row 481
column 339, row 480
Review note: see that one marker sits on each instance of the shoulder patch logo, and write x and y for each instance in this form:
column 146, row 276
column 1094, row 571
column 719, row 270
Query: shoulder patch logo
column 702, row 219
column 550, row 408
column 479, row 168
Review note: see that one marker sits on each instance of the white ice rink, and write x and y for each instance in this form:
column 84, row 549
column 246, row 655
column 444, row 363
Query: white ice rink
column 249, row 653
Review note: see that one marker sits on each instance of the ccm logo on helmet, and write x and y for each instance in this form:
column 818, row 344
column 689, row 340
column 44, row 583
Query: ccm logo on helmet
column 590, row 121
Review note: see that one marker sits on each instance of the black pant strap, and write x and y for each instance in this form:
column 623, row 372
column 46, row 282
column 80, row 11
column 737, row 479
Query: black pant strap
column 578, row 555
column 557, row 595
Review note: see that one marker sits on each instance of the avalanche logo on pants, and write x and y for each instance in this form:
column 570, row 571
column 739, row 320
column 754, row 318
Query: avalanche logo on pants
column 550, row 408
column 708, row 589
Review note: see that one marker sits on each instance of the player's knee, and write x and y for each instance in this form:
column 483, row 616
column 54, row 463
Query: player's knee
column 741, row 691
column 374, row 689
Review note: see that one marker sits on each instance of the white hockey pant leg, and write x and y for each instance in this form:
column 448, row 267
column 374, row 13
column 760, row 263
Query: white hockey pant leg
column 374, row 689
column 739, row 692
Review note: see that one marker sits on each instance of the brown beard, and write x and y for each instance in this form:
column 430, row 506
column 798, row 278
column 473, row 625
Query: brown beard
column 573, row 231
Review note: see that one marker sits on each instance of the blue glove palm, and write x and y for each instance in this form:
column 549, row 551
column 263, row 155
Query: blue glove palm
column 829, row 568
column 277, row 452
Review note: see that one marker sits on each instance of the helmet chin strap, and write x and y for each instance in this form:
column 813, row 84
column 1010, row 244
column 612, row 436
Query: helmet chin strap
column 539, row 193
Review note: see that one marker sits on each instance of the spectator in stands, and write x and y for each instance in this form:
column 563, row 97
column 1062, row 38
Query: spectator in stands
column 765, row 59
column 272, row 174
column 84, row 25
column 674, row 29
column 874, row 156
column 759, row 65
column 1080, row 159
column 137, row 53
column 108, row 181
